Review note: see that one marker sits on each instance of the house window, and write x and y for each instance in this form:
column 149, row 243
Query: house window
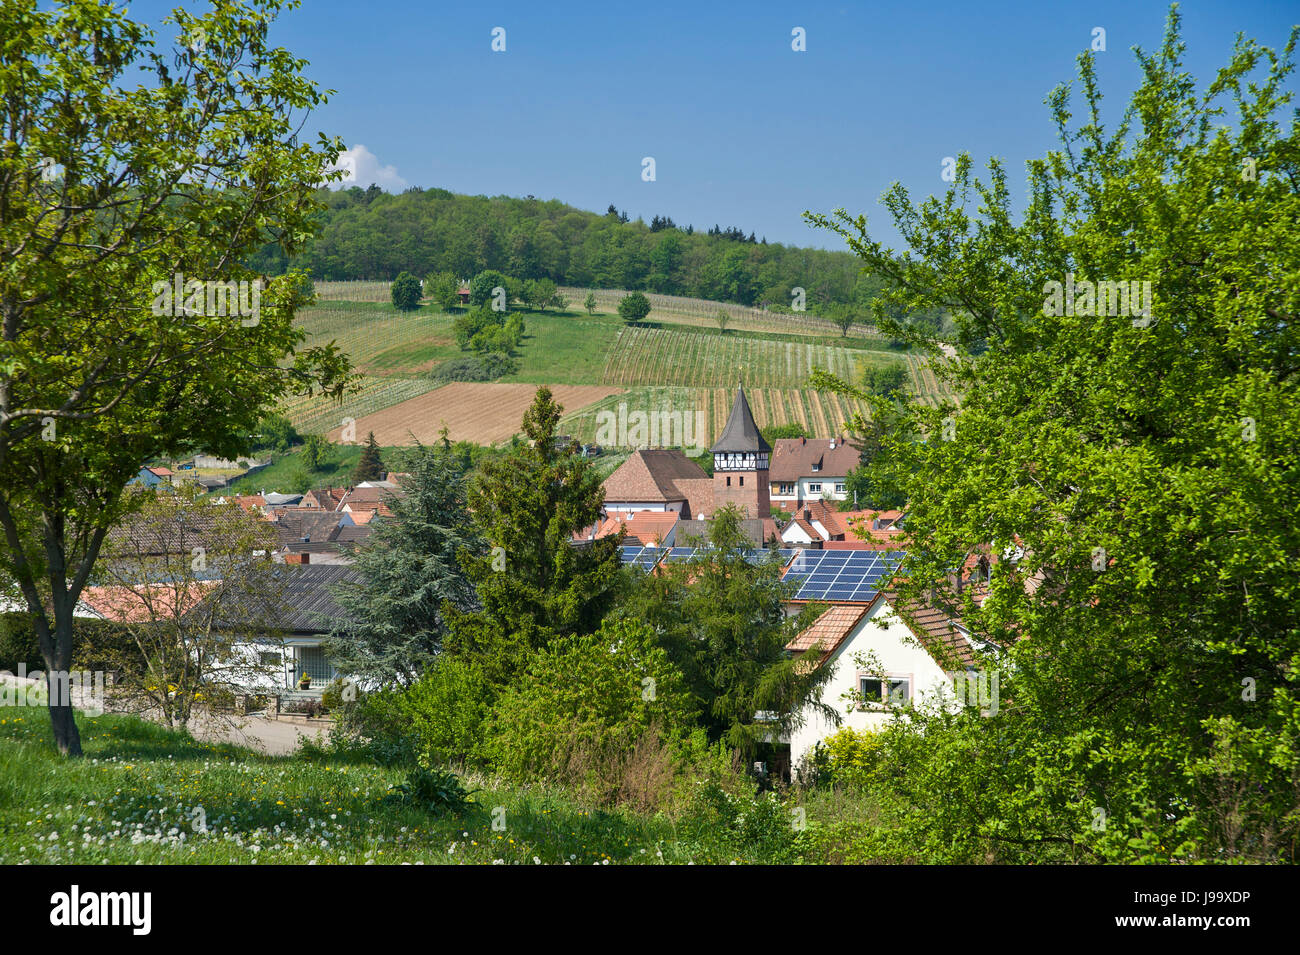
column 728, row 482
column 839, row 487
column 815, row 488
column 268, row 659
column 742, row 481
column 786, row 489
column 889, row 691
column 313, row 662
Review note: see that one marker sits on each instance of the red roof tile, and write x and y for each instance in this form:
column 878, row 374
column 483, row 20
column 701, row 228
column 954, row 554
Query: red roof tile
column 793, row 458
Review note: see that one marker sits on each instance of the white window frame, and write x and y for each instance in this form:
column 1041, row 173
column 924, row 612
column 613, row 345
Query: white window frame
column 815, row 487
column 888, row 678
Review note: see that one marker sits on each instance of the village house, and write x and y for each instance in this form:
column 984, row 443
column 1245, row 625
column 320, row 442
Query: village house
column 666, row 480
column 152, row 477
column 881, row 660
column 810, row 469
column 659, row 480
column 820, row 524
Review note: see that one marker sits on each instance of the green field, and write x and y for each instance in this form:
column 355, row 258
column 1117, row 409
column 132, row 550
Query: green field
column 677, row 348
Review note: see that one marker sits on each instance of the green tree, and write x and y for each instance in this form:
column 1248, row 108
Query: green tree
column 722, row 620
column 533, row 583
column 589, row 303
column 275, row 432
column 884, row 380
column 314, row 451
column 410, row 576
column 131, row 206
column 370, row 466
column 721, row 318
column 480, row 289
column 443, row 289
column 633, row 308
column 842, row 317
column 1132, row 472
column 406, row 292
column 586, row 701
column 543, row 293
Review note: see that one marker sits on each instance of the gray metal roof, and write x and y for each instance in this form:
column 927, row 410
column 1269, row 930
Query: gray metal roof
column 308, row 596
column 741, row 433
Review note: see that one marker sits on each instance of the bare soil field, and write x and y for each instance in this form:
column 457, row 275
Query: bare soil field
column 484, row 413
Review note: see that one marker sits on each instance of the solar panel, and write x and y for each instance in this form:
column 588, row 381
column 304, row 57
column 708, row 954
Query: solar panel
column 647, row 557
column 841, row 574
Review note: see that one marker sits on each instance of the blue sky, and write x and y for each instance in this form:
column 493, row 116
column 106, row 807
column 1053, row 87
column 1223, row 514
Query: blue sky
column 744, row 131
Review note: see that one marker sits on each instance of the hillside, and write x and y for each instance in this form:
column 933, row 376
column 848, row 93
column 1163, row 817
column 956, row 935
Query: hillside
column 676, row 361
column 368, row 234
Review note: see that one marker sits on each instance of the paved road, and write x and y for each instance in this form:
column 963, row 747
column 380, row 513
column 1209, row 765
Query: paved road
column 276, row 737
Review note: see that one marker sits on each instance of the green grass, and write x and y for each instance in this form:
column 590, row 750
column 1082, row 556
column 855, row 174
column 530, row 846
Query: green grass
column 335, row 470
column 136, row 794
column 565, row 348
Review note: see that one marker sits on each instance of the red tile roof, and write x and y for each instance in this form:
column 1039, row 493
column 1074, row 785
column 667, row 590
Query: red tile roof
column 793, row 458
column 654, row 476
column 647, row 527
column 936, row 631
column 151, row 602
column 829, row 630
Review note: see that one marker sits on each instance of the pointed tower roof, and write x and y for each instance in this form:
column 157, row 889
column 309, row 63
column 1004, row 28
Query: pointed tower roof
column 741, row 433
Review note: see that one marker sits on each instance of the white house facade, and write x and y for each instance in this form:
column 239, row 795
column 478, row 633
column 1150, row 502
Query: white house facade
column 854, row 637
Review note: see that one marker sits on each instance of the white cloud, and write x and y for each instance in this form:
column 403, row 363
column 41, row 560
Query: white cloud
column 362, row 167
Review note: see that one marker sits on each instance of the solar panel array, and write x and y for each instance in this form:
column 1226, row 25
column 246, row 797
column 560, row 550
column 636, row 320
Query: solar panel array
column 842, row 575
column 648, row 557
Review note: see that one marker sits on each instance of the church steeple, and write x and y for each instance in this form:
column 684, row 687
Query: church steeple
column 740, row 441
column 740, row 462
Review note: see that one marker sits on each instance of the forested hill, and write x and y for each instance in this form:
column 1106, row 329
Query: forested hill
column 370, row 234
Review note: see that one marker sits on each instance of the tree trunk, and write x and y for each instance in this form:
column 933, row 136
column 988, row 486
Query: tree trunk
column 58, row 683
column 66, row 736
column 58, row 696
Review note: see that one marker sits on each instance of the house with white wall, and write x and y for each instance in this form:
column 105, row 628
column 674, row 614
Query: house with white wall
column 810, row 469
column 879, row 663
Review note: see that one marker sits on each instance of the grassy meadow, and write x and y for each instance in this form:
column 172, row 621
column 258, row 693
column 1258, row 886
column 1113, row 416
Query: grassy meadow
column 145, row 794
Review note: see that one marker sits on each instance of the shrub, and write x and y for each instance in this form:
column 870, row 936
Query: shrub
column 433, row 790
column 406, row 292
column 848, row 758
column 19, row 643
column 587, row 702
column 486, row 367
column 446, row 711
column 634, row 308
column 760, row 828
column 439, row 719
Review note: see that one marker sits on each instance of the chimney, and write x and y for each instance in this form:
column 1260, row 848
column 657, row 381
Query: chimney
column 807, row 513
